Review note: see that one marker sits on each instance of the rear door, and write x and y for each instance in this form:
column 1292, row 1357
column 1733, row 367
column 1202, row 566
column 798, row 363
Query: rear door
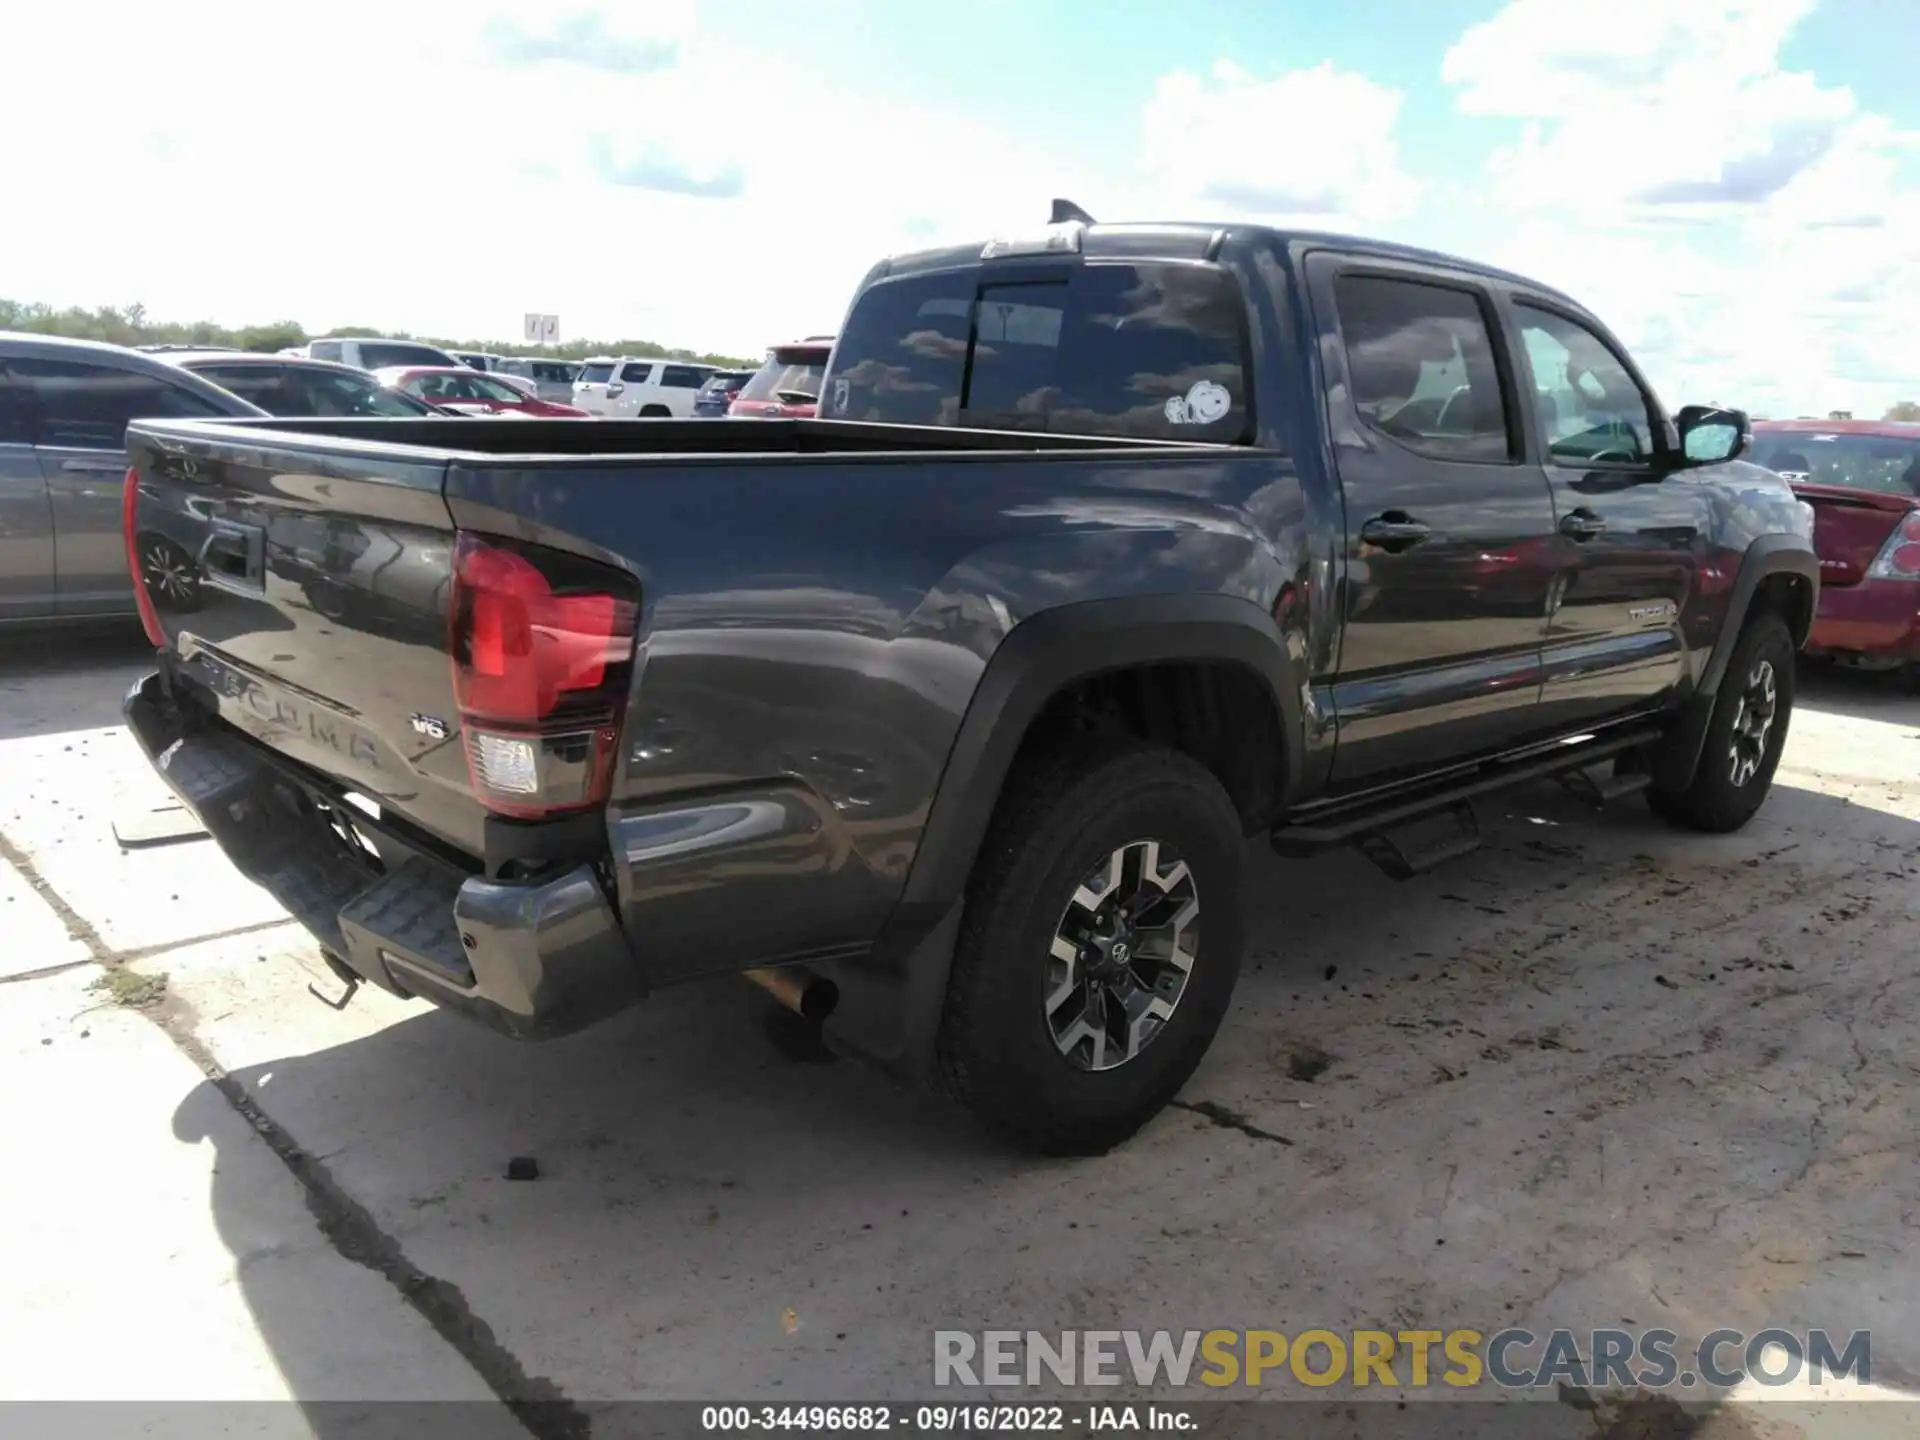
column 1448, row 555
column 593, row 389
column 1630, row 529
column 633, row 389
column 84, row 408
column 26, row 513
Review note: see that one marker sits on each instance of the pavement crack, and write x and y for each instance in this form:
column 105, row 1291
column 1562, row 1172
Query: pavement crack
column 347, row 1225
column 43, row 972
column 78, row 926
column 536, row 1402
column 1227, row 1119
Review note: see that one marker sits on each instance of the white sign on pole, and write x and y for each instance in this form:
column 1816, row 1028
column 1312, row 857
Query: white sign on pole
column 541, row 329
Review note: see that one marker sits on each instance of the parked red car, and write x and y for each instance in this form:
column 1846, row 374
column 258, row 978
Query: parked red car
column 788, row 385
column 1862, row 478
column 471, row 392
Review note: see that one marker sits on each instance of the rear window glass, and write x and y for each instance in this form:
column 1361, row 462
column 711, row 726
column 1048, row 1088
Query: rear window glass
column 595, row 374
column 903, row 356
column 684, row 377
column 1885, row 463
column 380, row 355
column 1153, row 351
column 790, row 384
column 636, row 374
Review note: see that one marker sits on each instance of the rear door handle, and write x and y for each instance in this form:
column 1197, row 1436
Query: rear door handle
column 1581, row 524
column 1394, row 531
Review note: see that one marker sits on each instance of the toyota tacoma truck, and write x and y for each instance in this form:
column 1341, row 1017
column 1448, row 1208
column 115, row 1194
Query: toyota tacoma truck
column 947, row 715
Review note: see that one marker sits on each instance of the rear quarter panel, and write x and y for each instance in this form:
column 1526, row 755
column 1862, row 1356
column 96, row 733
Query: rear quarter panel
column 813, row 631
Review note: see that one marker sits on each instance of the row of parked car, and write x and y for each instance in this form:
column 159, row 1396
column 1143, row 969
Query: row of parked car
column 65, row 406
column 611, row 386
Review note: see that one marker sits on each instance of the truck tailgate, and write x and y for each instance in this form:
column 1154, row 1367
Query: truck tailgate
column 306, row 590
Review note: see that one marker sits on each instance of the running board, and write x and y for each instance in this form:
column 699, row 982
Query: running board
column 1380, row 828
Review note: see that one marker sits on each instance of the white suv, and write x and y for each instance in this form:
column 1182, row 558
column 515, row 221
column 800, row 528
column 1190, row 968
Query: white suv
column 635, row 386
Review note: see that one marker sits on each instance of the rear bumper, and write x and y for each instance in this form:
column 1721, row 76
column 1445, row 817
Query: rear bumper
column 1878, row 618
column 532, row 960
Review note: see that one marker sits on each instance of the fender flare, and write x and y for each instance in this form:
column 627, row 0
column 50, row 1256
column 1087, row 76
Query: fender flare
column 892, row 997
column 1767, row 556
column 1057, row 648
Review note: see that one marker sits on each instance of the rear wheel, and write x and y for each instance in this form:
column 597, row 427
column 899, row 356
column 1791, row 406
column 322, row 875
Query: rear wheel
column 655, row 412
column 1099, row 949
column 1745, row 735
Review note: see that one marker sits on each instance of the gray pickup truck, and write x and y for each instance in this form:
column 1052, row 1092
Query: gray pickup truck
column 947, row 715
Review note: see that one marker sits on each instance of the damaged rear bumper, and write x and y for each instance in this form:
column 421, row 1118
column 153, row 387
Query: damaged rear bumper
column 532, row 959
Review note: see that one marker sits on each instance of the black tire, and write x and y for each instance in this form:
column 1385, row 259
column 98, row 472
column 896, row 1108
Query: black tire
column 1717, row 801
column 655, row 412
column 1059, row 822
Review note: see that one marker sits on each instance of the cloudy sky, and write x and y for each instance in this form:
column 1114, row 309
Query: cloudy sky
column 1733, row 184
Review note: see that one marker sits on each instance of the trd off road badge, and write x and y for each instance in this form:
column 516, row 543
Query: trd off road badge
column 1205, row 403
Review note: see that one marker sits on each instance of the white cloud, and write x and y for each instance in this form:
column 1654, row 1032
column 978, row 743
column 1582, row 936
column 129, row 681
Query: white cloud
column 442, row 169
column 1743, row 226
column 1230, row 143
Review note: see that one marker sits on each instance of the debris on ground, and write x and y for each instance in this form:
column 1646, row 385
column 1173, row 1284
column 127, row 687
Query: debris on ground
column 132, row 989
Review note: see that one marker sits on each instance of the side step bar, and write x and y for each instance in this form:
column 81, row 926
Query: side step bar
column 1386, row 830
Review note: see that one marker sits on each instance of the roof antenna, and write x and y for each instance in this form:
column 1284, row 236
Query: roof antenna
column 1065, row 211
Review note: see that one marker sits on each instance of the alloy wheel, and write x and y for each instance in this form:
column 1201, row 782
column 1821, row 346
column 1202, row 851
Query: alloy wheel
column 1121, row 955
column 1753, row 723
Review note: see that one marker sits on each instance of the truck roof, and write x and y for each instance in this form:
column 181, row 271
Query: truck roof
column 1192, row 240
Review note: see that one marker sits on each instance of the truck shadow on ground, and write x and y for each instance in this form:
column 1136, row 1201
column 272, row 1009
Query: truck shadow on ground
column 51, row 680
column 717, row 1215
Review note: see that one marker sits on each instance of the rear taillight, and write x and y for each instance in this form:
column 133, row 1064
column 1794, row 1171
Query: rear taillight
column 130, row 529
column 542, row 648
column 1899, row 558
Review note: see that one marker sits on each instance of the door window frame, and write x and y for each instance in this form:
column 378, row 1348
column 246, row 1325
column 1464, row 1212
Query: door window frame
column 1485, row 300
column 1662, row 458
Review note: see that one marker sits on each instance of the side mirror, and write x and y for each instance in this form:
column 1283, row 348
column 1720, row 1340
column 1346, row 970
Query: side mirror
column 1711, row 434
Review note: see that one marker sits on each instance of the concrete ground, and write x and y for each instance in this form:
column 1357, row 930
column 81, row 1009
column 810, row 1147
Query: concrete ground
column 1600, row 1073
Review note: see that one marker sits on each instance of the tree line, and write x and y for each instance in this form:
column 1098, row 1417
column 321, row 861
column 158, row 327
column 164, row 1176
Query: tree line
column 131, row 325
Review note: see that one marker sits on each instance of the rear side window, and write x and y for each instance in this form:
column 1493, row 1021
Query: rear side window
column 259, row 384
column 551, row 373
column 1152, row 351
column 385, row 353
column 325, row 392
column 326, row 350
column 683, row 377
column 636, row 374
column 88, row 407
column 1421, row 368
column 595, row 374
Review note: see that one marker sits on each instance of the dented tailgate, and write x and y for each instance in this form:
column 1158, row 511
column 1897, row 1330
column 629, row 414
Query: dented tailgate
column 305, row 584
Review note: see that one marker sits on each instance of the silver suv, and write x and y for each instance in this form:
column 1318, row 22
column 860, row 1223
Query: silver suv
column 64, row 409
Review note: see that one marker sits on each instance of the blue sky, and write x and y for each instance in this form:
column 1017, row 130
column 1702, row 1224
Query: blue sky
column 1733, row 184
